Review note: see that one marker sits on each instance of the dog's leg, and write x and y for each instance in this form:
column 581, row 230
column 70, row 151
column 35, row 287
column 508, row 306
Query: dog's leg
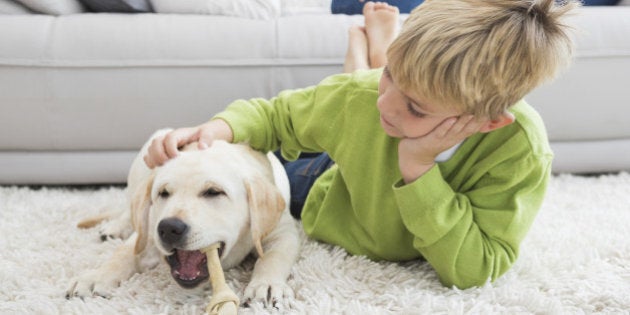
column 116, row 222
column 100, row 282
column 118, row 227
column 269, row 278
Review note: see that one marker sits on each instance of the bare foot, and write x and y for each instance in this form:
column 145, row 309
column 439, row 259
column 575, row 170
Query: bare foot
column 357, row 54
column 381, row 27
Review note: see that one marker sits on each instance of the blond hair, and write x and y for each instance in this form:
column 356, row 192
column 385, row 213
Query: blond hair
column 480, row 56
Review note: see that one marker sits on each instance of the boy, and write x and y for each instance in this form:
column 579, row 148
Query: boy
column 435, row 156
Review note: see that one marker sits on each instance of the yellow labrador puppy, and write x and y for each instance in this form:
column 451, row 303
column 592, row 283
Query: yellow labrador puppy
column 228, row 194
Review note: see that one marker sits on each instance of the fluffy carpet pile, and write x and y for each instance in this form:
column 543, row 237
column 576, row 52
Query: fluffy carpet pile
column 575, row 260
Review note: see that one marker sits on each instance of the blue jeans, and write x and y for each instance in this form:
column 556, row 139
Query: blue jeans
column 351, row 7
column 302, row 174
column 600, row 2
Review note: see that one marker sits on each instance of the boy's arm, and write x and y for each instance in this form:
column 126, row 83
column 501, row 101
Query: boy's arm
column 300, row 120
column 474, row 235
column 265, row 124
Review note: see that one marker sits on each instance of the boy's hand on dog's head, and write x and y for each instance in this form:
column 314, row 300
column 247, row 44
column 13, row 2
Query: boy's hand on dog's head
column 166, row 147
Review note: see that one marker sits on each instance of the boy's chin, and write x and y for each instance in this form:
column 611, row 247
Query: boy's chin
column 393, row 134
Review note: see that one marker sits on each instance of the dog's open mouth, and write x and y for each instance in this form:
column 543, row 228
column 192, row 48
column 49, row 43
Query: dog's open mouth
column 190, row 267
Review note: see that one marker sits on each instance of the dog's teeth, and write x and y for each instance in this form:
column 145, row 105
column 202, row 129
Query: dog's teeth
column 198, row 273
column 177, row 272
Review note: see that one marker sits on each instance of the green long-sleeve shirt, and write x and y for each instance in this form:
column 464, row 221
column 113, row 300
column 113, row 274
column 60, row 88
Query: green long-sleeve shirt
column 466, row 216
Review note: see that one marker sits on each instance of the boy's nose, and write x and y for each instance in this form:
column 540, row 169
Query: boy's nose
column 381, row 104
column 384, row 106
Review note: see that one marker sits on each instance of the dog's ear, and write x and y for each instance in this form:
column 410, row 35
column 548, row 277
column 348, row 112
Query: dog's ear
column 140, row 205
column 265, row 208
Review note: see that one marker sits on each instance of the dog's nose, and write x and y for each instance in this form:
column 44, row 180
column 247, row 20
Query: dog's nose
column 172, row 230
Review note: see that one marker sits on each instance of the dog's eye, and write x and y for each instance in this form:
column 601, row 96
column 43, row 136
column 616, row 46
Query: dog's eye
column 212, row 192
column 164, row 194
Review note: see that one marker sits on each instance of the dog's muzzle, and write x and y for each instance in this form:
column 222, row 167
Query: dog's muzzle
column 188, row 267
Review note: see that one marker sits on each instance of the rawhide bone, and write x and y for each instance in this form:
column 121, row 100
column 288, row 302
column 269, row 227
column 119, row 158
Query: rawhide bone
column 224, row 301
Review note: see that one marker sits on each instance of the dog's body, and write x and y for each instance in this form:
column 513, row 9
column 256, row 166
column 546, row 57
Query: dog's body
column 227, row 194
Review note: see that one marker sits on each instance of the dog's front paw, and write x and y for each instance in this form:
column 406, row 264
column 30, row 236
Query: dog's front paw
column 92, row 283
column 268, row 293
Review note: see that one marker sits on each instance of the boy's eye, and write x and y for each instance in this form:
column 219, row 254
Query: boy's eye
column 387, row 73
column 413, row 111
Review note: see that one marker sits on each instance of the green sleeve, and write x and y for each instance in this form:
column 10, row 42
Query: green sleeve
column 298, row 120
column 474, row 235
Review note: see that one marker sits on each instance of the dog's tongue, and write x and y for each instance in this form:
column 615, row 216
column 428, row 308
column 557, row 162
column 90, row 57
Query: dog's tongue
column 191, row 264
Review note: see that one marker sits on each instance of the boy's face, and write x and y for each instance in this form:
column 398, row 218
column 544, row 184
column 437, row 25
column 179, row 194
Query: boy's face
column 406, row 114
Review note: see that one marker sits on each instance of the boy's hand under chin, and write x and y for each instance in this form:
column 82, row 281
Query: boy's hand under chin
column 417, row 155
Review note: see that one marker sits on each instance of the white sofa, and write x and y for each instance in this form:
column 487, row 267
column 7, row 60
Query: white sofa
column 79, row 94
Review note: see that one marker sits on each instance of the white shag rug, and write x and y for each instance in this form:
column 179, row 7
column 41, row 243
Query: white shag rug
column 575, row 260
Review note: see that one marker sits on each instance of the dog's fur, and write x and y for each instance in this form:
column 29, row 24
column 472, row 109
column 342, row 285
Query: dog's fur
column 228, row 193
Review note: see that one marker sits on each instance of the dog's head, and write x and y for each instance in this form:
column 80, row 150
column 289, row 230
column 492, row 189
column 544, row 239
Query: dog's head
column 224, row 194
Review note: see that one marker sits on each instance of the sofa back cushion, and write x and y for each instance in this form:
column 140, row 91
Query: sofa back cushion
column 54, row 7
column 127, row 6
column 11, row 7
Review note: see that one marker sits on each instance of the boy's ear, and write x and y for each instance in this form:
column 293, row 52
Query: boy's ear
column 505, row 119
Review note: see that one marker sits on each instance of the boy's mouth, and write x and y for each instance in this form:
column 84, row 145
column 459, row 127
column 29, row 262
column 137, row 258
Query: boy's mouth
column 385, row 122
column 388, row 127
